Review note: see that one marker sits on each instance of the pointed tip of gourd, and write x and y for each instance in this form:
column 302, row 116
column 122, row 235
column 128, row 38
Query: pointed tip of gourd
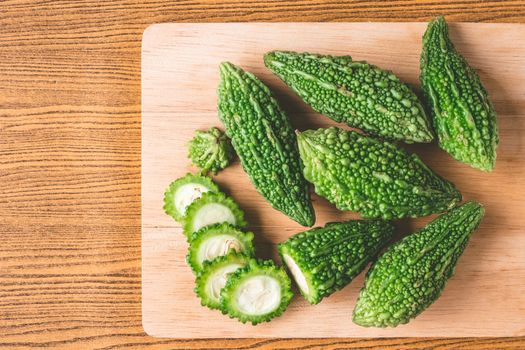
column 475, row 205
column 437, row 32
column 269, row 58
column 438, row 23
column 227, row 68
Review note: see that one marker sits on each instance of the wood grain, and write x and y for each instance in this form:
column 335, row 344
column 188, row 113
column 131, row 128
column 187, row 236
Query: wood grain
column 70, row 164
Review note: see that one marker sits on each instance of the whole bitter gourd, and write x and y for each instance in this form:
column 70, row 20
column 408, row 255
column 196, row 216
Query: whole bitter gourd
column 356, row 93
column 264, row 141
column 464, row 118
column 412, row 273
column 371, row 176
column 210, row 150
column 257, row 292
column 326, row 259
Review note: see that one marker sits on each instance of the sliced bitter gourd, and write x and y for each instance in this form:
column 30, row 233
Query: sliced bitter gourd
column 213, row 276
column 183, row 191
column 412, row 273
column 212, row 208
column 326, row 259
column 216, row 240
column 256, row 293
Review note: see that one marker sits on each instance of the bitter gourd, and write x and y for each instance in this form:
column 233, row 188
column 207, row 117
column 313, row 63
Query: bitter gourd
column 217, row 240
column 323, row 260
column 210, row 150
column 213, row 276
column 372, row 177
column 356, row 93
column 212, row 208
column 326, row 259
column 256, row 293
column 183, row 191
column 265, row 142
column 464, row 118
column 412, row 273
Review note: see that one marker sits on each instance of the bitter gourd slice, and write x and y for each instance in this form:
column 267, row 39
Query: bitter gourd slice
column 256, row 293
column 372, row 177
column 213, row 276
column 183, row 191
column 265, row 142
column 412, row 273
column 326, row 259
column 464, row 118
column 210, row 150
column 356, row 93
column 217, row 240
column 212, row 208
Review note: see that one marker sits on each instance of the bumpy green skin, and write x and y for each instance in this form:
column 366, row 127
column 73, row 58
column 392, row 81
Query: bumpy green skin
column 210, row 150
column 372, row 177
column 265, row 142
column 255, row 268
column 411, row 275
column 356, row 93
column 169, row 195
column 330, row 257
column 464, row 118
column 205, row 233
column 188, row 226
column 208, row 269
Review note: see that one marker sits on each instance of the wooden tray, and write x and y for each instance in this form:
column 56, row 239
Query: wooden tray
column 486, row 297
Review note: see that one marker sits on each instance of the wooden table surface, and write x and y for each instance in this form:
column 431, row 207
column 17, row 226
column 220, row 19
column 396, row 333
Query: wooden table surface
column 70, row 164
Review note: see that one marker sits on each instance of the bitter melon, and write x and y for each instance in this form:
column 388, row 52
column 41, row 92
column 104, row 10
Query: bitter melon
column 326, row 259
column 210, row 150
column 412, row 273
column 372, row 177
column 212, row 208
column 356, row 93
column 217, row 240
column 213, row 276
column 183, row 191
column 256, row 293
column 265, row 142
column 464, row 118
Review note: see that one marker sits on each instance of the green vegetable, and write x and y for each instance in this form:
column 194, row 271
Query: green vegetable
column 183, row 191
column 356, row 93
column 256, row 293
column 265, row 142
column 213, row 276
column 217, row 240
column 324, row 260
column 372, row 177
column 212, row 208
column 411, row 275
column 464, row 118
column 210, row 150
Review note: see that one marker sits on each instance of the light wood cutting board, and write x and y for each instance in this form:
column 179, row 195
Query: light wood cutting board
column 180, row 62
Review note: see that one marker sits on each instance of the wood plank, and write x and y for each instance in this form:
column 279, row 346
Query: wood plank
column 179, row 80
column 70, row 84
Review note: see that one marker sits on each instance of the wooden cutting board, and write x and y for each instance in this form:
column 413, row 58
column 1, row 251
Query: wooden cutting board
column 180, row 62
